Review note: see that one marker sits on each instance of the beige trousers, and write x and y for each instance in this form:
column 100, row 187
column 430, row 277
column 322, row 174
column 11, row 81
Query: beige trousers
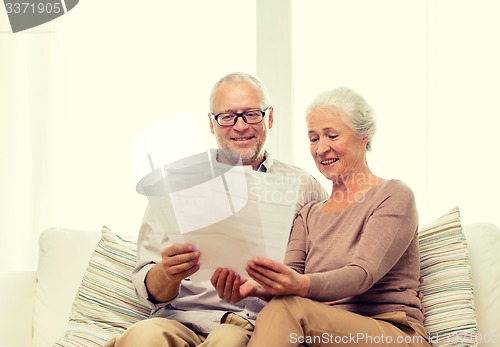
column 296, row 321
column 161, row 332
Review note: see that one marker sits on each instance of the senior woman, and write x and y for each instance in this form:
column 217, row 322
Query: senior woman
column 352, row 263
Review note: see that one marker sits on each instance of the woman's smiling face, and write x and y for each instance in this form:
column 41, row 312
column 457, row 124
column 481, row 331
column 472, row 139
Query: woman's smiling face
column 339, row 153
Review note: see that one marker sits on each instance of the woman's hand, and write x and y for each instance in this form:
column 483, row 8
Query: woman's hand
column 232, row 288
column 278, row 279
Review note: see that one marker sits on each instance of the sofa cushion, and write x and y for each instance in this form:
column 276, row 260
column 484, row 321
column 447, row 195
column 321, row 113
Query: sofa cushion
column 106, row 303
column 447, row 287
column 63, row 257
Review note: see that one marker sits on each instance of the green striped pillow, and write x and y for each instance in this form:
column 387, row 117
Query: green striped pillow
column 448, row 293
column 106, row 304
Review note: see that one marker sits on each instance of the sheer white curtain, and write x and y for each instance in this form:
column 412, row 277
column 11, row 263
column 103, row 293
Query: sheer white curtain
column 76, row 91
column 30, row 107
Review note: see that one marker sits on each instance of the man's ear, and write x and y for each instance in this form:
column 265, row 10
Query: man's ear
column 212, row 130
column 271, row 117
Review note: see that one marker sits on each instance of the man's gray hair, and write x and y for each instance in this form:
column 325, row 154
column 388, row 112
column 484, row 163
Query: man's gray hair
column 238, row 77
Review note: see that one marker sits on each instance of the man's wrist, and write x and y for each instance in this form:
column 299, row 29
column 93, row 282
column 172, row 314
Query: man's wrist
column 158, row 287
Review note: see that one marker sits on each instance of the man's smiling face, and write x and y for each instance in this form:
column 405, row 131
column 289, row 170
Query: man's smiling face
column 240, row 141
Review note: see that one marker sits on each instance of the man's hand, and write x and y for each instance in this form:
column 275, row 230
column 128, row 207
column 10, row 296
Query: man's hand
column 278, row 279
column 178, row 262
column 232, row 288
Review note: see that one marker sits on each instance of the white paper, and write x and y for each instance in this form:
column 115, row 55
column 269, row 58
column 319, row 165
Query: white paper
column 230, row 216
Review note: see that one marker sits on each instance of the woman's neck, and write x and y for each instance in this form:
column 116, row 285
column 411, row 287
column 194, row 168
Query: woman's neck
column 349, row 190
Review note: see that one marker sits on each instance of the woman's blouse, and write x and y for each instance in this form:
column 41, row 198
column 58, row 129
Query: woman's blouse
column 365, row 257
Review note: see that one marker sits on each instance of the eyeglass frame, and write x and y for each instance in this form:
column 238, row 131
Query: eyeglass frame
column 238, row 115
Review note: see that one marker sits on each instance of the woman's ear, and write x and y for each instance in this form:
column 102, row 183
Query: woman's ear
column 366, row 140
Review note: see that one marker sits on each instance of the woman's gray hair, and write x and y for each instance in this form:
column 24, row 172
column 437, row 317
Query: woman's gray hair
column 238, row 77
column 358, row 114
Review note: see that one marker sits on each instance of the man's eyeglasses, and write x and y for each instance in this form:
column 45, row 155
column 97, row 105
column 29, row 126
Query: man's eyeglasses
column 249, row 116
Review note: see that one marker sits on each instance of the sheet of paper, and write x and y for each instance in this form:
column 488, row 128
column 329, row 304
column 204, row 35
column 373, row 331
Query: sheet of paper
column 231, row 215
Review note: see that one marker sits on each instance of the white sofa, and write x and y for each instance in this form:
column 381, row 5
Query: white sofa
column 35, row 306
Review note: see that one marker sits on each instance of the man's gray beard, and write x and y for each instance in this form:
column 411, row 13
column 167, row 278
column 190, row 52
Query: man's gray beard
column 234, row 157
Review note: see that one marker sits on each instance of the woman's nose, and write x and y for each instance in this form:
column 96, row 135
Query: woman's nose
column 322, row 147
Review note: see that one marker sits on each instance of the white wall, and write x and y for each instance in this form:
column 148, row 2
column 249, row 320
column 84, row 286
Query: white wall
column 464, row 117
column 430, row 70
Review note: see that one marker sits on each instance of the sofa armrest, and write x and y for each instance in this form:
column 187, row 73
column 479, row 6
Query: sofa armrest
column 17, row 292
column 483, row 241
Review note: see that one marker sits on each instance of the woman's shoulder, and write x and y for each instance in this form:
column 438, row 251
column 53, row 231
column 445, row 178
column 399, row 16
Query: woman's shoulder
column 395, row 184
column 398, row 189
column 310, row 208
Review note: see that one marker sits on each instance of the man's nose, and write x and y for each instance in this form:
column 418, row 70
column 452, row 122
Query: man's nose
column 240, row 124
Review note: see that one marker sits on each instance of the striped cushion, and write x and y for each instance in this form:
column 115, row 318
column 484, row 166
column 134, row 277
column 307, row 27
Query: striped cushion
column 447, row 287
column 105, row 304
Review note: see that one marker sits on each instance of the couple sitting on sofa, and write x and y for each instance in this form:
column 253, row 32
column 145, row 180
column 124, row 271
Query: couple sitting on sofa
column 352, row 267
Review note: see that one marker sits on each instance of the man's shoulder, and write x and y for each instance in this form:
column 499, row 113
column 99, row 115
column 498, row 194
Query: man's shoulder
column 280, row 167
column 311, row 189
